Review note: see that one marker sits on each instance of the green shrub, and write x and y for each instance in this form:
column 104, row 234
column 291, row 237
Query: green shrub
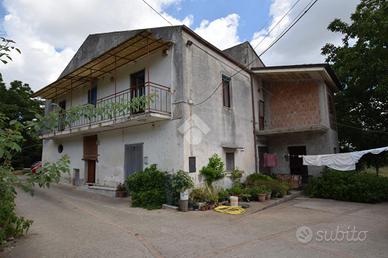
column 147, row 188
column 255, row 178
column 278, row 188
column 349, row 186
column 236, row 175
column 213, row 171
column 223, row 195
column 203, row 194
column 236, row 190
column 181, row 181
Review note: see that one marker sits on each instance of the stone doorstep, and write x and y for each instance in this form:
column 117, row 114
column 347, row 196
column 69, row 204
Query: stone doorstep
column 103, row 190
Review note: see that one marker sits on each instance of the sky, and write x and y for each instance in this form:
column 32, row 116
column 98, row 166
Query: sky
column 49, row 32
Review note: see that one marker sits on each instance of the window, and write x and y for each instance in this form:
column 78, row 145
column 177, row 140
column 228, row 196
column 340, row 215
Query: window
column 92, row 94
column 226, row 90
column 192, row 165
column 229, row 161
column 261, row 115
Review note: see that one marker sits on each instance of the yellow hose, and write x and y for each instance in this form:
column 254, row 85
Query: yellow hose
column 234, row 210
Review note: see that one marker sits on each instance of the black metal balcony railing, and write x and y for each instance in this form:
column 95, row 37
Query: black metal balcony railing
column 151, row 98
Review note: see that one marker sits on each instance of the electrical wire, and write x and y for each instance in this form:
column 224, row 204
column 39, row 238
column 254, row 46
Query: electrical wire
column 290, row 27
column 277, row 23
column 299, row 16
column 158, row 13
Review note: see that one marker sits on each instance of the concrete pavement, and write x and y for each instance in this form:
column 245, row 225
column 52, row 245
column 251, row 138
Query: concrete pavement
column 72, row 223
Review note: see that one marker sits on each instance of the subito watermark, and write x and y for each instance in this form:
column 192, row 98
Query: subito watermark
column 342, row 233
column 194, row 129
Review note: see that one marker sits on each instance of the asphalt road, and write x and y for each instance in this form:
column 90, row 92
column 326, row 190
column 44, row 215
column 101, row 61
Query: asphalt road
column 73, row 223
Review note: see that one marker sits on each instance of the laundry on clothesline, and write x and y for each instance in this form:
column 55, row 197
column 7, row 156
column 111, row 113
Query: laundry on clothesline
column 340, row 161
column 270, row 160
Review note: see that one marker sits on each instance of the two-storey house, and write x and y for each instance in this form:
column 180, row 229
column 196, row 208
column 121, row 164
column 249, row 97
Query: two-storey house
column 199, row 100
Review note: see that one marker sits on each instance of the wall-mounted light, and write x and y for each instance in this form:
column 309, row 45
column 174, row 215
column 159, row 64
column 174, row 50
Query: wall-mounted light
column 165, row 52
column 189, row 43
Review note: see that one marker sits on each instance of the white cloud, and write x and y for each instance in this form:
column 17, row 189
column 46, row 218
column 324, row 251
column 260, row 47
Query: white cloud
column 221, row 32
column 303, row 43
column 49, row 32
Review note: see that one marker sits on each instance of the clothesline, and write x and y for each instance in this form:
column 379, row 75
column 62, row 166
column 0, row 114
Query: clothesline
column 340, row 161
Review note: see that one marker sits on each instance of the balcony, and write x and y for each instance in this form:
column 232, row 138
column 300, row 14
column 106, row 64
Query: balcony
column 150, row 103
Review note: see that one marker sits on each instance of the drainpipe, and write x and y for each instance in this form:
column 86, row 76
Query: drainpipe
column 254, row 122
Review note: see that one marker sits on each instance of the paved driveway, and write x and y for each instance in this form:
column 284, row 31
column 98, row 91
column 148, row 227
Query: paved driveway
column 71, row 223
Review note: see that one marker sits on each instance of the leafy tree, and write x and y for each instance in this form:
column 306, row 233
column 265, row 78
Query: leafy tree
column 6, row 47
column 11, row 138
column 17, row 103
column 361, row 63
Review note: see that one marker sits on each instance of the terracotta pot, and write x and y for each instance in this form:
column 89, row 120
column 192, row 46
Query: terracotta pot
column 262, row 197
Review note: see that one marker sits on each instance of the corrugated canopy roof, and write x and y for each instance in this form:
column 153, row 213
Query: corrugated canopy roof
column 117, row 53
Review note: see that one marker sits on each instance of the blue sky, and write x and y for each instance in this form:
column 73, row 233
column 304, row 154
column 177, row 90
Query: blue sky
column 253, row 13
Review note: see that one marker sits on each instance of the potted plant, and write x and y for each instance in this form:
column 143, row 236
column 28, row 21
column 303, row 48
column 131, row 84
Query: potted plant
column 181, row 183
column 121, row 191
column 262, row 193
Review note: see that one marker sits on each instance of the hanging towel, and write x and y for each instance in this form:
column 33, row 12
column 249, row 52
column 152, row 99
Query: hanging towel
column 270, row 160
column 342, row 161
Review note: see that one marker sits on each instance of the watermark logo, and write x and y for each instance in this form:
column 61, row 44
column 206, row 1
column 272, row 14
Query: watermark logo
column 304, row 234
column 194, row 129
column 342, row 233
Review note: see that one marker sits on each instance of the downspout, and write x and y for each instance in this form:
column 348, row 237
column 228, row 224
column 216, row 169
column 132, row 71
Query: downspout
column 254, row 122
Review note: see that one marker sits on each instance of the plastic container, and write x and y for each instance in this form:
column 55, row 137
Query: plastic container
column 233, row 201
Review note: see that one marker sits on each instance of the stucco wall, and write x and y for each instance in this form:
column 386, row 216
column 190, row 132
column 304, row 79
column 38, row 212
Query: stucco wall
column 72, row 146
column 226, row 126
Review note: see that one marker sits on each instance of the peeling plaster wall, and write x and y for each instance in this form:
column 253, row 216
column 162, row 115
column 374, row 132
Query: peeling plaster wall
column 226, row 126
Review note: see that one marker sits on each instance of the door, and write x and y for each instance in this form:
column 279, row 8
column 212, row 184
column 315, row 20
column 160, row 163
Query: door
column 137, row 88
column 296, row 163
column 133, row 161
column 90, row 155
column 92, row 94
column 91, row 171
column 138, row 84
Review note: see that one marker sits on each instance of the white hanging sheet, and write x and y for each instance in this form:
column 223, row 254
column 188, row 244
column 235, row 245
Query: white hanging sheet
column 341, row 161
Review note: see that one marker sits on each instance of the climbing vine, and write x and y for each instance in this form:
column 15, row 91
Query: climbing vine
column 91, row 113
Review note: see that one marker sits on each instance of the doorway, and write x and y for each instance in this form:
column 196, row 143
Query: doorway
column 90, row 155
column 133, row 159
column 262, row 168
column 137, row 88
column 296, row 162
column 91, row 176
